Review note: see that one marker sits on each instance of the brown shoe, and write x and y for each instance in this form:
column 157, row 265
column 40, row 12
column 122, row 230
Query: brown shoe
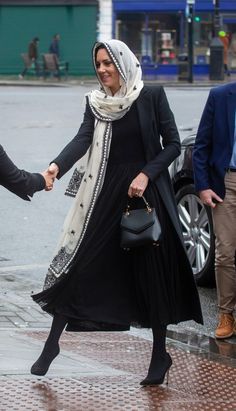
column 234, row 326
column 225, row 328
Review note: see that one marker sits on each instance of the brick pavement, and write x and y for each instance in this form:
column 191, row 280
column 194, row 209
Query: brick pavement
column 18, row 310
column 102, row 371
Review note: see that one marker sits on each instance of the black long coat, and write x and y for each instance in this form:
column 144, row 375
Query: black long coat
column 162, row 145
column 20, row 182
column 156, row 119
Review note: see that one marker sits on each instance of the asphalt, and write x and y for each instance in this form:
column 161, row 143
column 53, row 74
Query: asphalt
column 165, row 80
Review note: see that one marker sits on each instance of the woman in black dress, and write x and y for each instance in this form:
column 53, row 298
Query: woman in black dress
column 92, row 284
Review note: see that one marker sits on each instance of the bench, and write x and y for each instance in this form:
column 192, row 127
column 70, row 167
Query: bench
column 53, row 67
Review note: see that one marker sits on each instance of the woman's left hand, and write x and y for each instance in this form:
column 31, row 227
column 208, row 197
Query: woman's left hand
column 138, row 185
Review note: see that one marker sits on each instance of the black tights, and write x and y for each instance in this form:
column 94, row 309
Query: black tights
column 158, row 348
column 51, row 348
column 58, row 324
column 160, row 360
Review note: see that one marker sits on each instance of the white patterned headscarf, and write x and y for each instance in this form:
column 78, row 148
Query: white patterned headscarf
column 130, row 81
column 106, row 108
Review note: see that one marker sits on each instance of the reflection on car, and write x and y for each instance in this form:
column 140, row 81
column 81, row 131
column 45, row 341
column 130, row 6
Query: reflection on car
column 195, row 217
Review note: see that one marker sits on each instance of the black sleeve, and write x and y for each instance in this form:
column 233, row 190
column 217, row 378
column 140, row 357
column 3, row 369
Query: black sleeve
column 167, row 128
column 20, row 182
column 78, row 146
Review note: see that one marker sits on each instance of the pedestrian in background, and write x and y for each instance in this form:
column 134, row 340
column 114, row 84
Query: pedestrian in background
column 224, row 37
column 21, row 182
column 92, row 283
column 54, row 49
column 54, row 46
column 33, row 57
column 214, row 163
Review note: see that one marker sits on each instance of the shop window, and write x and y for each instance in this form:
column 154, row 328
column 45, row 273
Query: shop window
column 166, row 46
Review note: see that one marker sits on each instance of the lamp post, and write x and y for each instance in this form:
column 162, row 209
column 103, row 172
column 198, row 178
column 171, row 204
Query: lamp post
column 216, row 69
column 190, row 4
column 216, row 18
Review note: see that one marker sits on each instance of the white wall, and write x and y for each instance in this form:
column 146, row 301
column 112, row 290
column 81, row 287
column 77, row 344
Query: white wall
column 105, row 20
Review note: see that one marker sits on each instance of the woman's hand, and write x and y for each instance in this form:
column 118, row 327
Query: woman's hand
column 50, row 175
column 49, row 180
column 53, row 170
column 138, row 185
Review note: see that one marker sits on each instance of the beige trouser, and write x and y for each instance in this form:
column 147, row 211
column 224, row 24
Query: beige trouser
column 224, row 220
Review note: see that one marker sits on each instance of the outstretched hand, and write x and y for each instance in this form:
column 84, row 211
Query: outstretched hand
column 50, row 175
column 53, row 170
column 49, row 180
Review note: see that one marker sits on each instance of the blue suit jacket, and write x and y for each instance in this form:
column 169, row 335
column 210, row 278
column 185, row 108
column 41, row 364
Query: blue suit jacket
column 214, row 142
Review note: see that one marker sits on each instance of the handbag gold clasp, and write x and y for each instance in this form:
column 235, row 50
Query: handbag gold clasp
column 127, row 209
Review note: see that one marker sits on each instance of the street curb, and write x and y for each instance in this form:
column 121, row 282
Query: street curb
column 166, row 82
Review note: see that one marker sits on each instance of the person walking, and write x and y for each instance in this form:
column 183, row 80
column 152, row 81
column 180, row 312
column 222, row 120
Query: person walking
column 54, row 46
column 214, row 164
column 55, row 50
column 225, row 40
column 92, row 283
column 21, row 182
column 33, row 57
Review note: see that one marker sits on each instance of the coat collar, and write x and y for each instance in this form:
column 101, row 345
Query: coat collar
column 231, row 111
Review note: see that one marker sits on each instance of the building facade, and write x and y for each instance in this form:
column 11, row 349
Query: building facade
column 21, row 21
column 105, row 20
column 157, row 30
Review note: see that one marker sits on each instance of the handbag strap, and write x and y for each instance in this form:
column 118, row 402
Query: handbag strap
column 149, row 209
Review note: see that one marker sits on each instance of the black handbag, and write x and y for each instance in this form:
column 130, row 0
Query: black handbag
column 140, row 227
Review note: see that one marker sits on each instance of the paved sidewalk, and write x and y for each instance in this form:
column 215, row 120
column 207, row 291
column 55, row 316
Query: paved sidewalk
column 102, row 371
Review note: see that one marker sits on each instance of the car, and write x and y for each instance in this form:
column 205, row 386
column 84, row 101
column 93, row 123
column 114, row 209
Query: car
column 195, row 217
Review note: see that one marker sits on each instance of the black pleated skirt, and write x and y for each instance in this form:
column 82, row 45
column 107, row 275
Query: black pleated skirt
column 108, row 288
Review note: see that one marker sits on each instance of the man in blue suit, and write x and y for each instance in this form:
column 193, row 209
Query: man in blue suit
column 214, row 163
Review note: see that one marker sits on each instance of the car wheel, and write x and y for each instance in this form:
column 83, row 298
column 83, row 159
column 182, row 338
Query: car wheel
column 197, row 227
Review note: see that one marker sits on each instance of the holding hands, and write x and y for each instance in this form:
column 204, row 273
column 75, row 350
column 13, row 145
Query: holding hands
column 49, row 175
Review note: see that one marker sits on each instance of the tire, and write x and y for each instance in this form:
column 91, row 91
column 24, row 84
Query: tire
column 197, row 227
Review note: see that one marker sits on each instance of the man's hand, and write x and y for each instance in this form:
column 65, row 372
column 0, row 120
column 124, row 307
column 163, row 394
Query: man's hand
column 138, row 185
column 209, row 198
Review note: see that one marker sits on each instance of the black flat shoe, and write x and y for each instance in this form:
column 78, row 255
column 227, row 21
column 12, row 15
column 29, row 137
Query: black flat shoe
column 160, row 376
column 41, row 366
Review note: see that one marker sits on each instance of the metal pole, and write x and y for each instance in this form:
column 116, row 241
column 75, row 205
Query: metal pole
column 181, row 32
column 216, row 67
column 216, row 18
column 146, row 33
column 190, row 43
